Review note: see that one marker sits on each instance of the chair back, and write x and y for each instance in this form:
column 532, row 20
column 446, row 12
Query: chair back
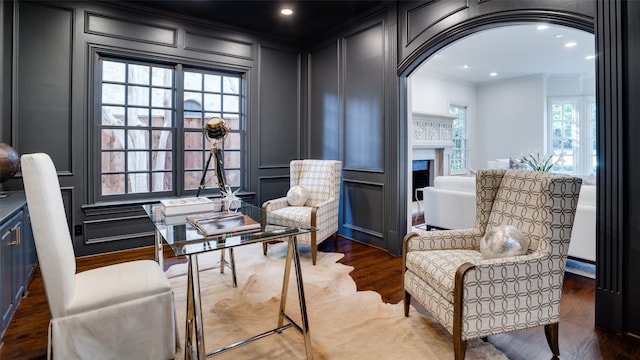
column 321, row 178
column 541, row 205
column 50, row 230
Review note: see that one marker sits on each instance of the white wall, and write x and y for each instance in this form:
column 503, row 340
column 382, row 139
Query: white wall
column 505, row 118
column 510, row 120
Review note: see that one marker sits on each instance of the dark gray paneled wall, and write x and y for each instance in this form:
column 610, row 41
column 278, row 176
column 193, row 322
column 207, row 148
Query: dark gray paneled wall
column 325, row 116
column 348, row 115
column 6, row 36
column 58, row 42
column 44, row 76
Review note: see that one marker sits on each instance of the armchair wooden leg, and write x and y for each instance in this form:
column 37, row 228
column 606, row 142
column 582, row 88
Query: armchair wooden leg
column 459, row 347
column 264, row 248
column 314, row 248
column 407, row 302
column 551, row 333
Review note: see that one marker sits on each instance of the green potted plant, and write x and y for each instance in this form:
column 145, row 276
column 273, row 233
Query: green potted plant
column 538, row 162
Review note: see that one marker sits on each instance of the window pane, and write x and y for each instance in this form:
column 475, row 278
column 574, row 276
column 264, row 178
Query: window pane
column 192, row 121
column 162, row 118
column 212, row 102
column 138, row 139
column 231, row 159
column 112, row 161
column 113, row 115
column 231, row 85
column 138, row 183
column 193, row 160
column 161, row 139
column 232, row 121
column 193, row 140
column 231, row 103
column 192, row 179
column 113, row 71
column 233, row 177
column 161, row 181
column 232, row 142
column 112, row 139
column 138, row 116
column 112, row 184
column 161, row 160
column 162, row 77
column 138, row 161
column 161, row 98
column 212, row 83
column 138, row 95
column 113, row 94
column 192, row 81
column 138, row 74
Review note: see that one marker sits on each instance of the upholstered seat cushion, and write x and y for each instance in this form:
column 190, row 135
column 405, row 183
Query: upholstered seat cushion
column 116, row 284
column 291, row 216
column 437, row 268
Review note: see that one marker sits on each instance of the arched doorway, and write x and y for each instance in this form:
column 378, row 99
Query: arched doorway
column 515, row 88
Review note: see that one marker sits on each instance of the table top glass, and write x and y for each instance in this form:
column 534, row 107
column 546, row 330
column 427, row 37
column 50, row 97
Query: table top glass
column 185, row 239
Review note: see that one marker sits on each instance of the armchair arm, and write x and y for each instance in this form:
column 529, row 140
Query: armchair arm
column 275, row 204
column 514, row 291
column 443, row 240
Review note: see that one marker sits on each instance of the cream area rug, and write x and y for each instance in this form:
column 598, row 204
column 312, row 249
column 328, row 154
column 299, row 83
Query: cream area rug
column 344, row 323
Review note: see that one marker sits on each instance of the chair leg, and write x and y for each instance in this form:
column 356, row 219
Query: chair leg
column 264, row 248
column 335, row 240
column 407, row 302
column 459, row 347
column 314, row 248
column 551, row 333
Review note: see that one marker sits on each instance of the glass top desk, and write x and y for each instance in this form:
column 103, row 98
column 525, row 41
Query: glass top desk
column 185, row 240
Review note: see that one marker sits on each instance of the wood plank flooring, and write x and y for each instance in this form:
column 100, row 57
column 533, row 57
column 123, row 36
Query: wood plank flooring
column 374, row 269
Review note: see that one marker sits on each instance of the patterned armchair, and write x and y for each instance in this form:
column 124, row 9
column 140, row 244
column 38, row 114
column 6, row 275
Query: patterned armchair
column 321, row 181
column 473, row 297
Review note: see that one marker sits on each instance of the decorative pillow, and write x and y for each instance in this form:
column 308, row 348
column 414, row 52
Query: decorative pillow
column 503, row 241
column 297, row 196
column 590, row 180
column 502, row 163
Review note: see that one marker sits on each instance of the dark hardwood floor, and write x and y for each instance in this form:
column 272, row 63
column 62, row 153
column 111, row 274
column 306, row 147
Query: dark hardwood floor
column 374, row 269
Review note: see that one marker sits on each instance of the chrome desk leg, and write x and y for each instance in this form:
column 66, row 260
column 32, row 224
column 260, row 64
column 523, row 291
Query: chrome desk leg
column 195, row 327
column 301, row 299
column 285, row 282
column 233, row 267
column 293, row 254
column 159, row 252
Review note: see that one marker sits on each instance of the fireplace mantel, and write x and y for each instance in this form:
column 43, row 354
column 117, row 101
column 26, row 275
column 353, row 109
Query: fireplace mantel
column 432, row 131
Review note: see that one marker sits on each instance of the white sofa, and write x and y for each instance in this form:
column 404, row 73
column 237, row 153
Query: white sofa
column 451, row 204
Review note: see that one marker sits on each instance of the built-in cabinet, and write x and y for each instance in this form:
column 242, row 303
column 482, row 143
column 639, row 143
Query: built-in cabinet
column 17, row 254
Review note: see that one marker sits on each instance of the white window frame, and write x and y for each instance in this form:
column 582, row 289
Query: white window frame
column 464, row 139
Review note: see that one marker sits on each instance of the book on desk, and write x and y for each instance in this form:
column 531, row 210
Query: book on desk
column 223, row 222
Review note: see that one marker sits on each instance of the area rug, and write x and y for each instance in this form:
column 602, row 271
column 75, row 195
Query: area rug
column 344, row 323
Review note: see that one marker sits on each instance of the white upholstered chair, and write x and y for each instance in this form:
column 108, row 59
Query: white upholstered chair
column 321, row 182
column 473, row 297
column 122, row 311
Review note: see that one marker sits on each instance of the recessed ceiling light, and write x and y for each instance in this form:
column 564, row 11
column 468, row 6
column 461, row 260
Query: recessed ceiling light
column 559, row 36
column 493, row 74
column 570, row 44
column 590, row 57
column 542, row 27
column 465, row 66
column 286, row 11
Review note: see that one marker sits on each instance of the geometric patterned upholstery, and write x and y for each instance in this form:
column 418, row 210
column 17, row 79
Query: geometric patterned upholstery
column 474, row 297
column 321, row 180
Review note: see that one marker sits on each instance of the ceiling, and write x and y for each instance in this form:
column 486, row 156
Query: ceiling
column 310, row 19
column 514, row 51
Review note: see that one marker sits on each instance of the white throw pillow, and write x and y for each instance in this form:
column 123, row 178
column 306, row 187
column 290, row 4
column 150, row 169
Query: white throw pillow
column 503, row 241
column 297, row 196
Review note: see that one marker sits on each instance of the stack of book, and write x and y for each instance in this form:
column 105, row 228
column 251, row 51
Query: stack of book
column 182, row 206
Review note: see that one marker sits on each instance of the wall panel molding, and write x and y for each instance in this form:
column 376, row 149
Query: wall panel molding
column 98, row 24
column 218, row 45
